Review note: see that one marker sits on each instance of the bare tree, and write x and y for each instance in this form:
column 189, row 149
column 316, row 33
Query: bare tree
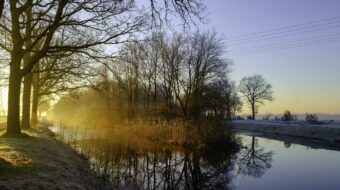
column 33, row 27
column 57, row 74
column 233, row 101
column 205, row 64
column 48, row 20
column 236, row 103
column 186, row 10
column 178, row 72
column 255, row 90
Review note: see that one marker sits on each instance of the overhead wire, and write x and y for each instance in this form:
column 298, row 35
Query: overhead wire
column 286, row 45
column 285, row 34
column 243, row 36
column 311, row 27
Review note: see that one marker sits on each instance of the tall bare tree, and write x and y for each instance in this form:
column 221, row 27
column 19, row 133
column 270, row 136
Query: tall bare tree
column 87, row 24
column 255, row 89
column 55, row 75
column 175, row 70
column 103, row 24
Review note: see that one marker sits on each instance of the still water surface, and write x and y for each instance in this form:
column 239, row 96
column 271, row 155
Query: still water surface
column 260, row 164
column 292, row 166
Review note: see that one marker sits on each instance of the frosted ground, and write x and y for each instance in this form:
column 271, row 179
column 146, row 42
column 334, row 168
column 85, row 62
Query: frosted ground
column 328, row 130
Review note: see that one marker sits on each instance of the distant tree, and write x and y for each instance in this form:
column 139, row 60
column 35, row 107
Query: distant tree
column 221, row 98
column 287, row 116
column 312, row 118
column 236, row 104
column 255, row 90
column 233, row 100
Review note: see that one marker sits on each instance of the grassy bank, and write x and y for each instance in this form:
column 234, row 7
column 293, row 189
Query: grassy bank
column 40, row 162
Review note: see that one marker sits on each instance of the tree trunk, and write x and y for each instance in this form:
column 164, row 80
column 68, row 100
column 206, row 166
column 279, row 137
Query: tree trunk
column 35, row 99
column 253, row 110
column 26, row 97
column 2, row 5
column 253, row 144
column 26, row 102
column 13, row 120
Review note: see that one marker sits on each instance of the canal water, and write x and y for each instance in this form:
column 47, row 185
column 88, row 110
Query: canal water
column 259, row 164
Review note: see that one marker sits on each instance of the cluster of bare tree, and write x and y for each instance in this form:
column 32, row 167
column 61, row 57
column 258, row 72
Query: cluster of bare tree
column 177, row 76
column 55, row 45
column 172, row 76
column 40, row 36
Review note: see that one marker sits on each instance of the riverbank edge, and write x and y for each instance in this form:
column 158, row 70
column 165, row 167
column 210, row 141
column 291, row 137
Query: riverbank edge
column 104, row 183
column 315, row 133
column 80, row 176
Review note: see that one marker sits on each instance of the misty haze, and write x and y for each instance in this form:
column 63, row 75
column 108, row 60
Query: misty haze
column 169, row 94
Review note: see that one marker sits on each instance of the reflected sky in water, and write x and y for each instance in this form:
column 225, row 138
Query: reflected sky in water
column 260, row 164
column 293, row 167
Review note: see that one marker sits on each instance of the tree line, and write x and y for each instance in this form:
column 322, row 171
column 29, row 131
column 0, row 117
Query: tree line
column 169, row 76
column 35, row 31
column 55, row 46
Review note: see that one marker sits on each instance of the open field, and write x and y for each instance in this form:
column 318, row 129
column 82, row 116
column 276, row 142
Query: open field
column 328, row 132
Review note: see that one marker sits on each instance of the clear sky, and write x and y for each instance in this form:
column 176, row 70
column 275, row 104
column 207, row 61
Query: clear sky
column 294, row 44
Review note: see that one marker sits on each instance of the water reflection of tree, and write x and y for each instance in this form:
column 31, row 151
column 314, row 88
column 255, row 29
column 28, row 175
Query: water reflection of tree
column 253, row 160
column 166, row 169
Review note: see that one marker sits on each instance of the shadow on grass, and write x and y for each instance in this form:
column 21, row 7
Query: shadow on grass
column 37, row 161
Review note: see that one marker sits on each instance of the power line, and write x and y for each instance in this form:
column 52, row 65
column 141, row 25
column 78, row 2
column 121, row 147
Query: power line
column 284, row 48
column 290, row 42
column 286, row 45
column 282, row 34
column 313, row 24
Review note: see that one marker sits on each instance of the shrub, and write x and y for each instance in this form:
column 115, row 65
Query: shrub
column 312, row 118
column 287, row 116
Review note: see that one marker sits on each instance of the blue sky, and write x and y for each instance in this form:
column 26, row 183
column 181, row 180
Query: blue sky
column 305, row 79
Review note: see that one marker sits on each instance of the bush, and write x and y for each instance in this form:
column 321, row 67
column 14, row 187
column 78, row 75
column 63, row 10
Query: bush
column 312, row 118
column 287, row 116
